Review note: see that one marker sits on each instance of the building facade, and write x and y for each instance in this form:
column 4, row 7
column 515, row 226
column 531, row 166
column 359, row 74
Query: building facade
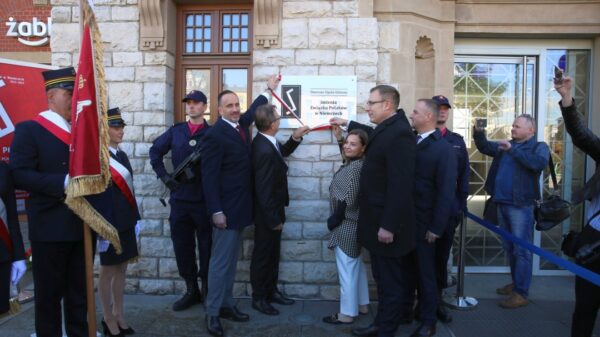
column 493, row 58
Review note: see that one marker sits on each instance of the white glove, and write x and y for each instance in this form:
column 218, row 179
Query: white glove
column 18, row 270
column 137, row 230
column 102, row 244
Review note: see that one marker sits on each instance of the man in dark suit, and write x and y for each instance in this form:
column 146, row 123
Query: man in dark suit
column 386, row 223
column 39, row 157
column 459, row 206
column 435, row 184
column 270, row 198
column 227, row 178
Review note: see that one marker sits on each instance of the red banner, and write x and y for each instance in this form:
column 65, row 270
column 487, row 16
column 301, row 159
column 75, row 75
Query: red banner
column 22, row 97
column 85, row 147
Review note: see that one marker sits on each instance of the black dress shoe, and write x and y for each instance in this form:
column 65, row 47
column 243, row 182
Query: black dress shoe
column 264, row 307
column 233, row 314
column 424, row 330
column 443, row 314
column 192, row 296
column 279, row 298
column 371, row 330
column 213, row 325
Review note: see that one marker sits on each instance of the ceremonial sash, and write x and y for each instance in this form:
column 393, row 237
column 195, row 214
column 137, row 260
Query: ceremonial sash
column 123, row 180
column 52, row 123
column 4, row 235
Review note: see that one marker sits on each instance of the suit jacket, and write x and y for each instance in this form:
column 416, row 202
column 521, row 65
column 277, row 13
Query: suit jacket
column 435, row 184
column 386, row 187
column 270, row 180
column 7, row 193
column 227, row 169
column 39, row 163
column 125, row 216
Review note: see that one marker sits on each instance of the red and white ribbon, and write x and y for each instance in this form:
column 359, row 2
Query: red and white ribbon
column 55, row 124
column 123, row 180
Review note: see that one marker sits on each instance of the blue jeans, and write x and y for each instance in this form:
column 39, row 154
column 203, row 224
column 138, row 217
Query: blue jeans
column 519, row 221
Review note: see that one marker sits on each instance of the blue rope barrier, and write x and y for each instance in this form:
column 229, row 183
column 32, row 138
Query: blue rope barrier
column 568, row 265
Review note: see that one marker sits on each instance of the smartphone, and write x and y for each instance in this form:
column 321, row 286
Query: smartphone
column 481, row 123
column 558, row 75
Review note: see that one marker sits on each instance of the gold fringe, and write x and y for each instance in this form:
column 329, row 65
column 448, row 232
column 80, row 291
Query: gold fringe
column 14, row 306
column 87, row 185
column 95, row 220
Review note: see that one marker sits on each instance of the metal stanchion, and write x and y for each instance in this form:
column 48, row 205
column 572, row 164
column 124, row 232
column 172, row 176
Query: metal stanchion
column 459, row 301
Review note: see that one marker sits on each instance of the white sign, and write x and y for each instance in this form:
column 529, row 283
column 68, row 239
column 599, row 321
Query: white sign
column 316, row 99
column 24, row 31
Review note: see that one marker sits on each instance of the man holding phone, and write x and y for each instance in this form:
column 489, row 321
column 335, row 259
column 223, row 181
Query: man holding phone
column 513, row 183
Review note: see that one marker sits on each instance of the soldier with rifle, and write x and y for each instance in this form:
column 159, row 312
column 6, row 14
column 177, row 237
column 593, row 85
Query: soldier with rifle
column 188, row 218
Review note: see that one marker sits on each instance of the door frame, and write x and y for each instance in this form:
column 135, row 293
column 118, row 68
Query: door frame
column 488, row 48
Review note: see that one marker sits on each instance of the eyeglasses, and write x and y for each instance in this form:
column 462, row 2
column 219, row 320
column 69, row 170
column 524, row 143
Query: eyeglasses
column 371, row 103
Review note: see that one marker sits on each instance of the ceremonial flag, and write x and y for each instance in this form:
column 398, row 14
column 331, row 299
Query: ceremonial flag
column 89, row 172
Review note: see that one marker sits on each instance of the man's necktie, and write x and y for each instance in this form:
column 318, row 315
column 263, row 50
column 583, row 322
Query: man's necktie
column 419, row 138
column 242, row 134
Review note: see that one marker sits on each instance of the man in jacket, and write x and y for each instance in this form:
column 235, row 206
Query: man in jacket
column 386, row 222
column 188, row 218
column 435, row 185
column 513, row 183
column 270, row 199
column 227, row 184
column 39, row 158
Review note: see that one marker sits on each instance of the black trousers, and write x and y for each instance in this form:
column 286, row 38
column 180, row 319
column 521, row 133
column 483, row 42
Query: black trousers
column 264, row 267
column 59, row 274
column 427, row 285
column 190, row 222
column 5, row 268
column 587, row 294
column 394, row 277
column 443, row 246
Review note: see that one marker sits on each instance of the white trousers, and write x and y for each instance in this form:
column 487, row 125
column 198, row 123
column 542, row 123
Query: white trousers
column 354, row 287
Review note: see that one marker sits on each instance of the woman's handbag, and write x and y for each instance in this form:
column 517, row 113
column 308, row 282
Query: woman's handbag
column 553, row 210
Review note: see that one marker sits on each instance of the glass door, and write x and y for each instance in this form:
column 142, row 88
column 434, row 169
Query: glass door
column 497, row 89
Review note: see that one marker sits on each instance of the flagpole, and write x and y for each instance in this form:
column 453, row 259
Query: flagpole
column 87, row 237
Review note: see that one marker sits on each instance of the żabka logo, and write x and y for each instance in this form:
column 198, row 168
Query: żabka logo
column 23, row 31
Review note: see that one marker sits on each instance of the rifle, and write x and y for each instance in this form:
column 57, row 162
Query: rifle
column 183, row 172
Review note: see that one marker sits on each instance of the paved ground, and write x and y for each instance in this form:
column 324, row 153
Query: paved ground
column 548, row 315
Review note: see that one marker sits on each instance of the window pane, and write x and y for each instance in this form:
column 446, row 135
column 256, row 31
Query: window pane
column 199, row 20
column 235, row 47
column 236, row 80
column 207, row 20
column 198, row 47
column 198, row 79
column 235, row 33
column 189, row 47
column 198, row 33
column 226, row 33
column 235, row 20
column 244, row 48
column 207, row 33
column 226, row 46
column 244, row 19
column 207, row 47
column 245, row 33
column 226, row 20
column 189, row 34
column 189, row 20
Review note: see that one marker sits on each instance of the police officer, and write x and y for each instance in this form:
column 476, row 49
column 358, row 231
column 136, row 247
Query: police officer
column 444, row 243
column 189, row 220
